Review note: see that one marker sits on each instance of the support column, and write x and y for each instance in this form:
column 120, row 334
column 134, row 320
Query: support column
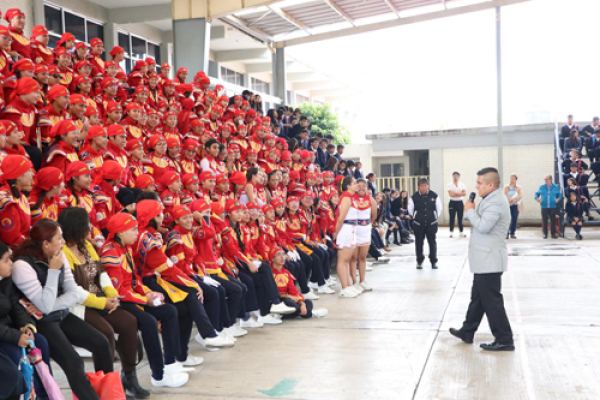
column 111, row 38
column 38, row 12
column 499, row 92
column 191, row 44
column 279, row 75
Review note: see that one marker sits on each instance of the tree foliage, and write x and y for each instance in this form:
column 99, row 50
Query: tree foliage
column 323, row 119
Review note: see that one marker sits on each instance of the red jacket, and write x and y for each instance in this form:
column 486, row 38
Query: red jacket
column 15, row 217
column 123, row 275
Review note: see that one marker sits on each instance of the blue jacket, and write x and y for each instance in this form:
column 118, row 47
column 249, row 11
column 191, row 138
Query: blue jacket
column 549, row 195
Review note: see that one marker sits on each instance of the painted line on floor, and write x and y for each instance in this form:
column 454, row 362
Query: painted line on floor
column 522, row 345
column 283, row 388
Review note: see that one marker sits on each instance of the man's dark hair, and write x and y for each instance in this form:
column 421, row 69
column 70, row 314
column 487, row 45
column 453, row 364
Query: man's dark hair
column 494, row 178
column 319, row 135
column 350, row 163
column 331, row 146
column 422, row 181
column 303, row 118
column 387, row 190
column 370, row 175
column 570, row 116
column 596, row 119
column 312, row 139
column 456, row 173
column 341, row 146
column 329, row 136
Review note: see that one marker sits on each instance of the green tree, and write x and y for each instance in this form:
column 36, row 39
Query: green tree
column 323, row 119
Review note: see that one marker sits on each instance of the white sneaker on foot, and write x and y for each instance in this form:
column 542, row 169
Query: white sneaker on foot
column 191, row 361
column 199, row 339
column 463, row 235
column 358, row 288
column 250, row 323
column 269, row 320
column 219, row 341
column 365, row 286
column 451, row 234
column 281, row 308
column 348, row 292
column 330, row 282
column 370, row 259
column 368, row 268
column 171, row 380
column 310, row 296
column 320, row 312
column 326, row 290
column 236, row 331
column 382, row 260
column 313, row 285
column 176, row 368
column 227, row 336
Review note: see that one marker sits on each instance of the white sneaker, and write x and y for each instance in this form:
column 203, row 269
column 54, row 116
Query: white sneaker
column 463, row 235
column 358, row 288
column 365, row 286
column 251, row 323
column 382, row 260
column 281, row 308
column 326, row 290
column 200, row 340
column 320, row 312
column 368, row 268
column 313, row 285
column 310, row 296
column 226, row 335
column 269, row 320
column 219, row 341
column 171, row 380
column 176, row 368
column 332, row 279
column 190, row 361
column 330, row 282
column 348, row 292
column 236, row 331
column 451, row 234
column 370, row 259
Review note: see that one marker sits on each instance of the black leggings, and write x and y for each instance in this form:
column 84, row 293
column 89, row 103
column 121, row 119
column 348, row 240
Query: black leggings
column 215, row 303
column 313, row 266
column 267, row 292
column 456, row 208
column 190, row 310
column 236, row 298
column 73, row 331
column 298, row 270
column 291, row 303
column 147, row 320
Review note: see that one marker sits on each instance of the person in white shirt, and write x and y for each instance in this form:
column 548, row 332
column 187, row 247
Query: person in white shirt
column 456, row 192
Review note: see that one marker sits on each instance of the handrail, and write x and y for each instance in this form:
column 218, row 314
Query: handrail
column 559, row 176
column 408, row 183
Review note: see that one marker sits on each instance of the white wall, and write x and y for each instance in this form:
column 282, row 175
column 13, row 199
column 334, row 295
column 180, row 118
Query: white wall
column 530, row 163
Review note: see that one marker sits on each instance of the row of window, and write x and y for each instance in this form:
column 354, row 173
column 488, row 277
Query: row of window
column 59, row 21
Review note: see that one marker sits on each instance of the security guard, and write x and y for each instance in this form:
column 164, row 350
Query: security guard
column 425, row 207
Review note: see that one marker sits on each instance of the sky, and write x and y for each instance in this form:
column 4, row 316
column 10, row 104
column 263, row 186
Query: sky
column 442, row 74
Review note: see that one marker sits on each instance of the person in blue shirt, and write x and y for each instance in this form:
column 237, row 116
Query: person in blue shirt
column 549, row 195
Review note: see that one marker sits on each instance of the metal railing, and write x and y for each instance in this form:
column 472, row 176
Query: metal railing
column 408, row 183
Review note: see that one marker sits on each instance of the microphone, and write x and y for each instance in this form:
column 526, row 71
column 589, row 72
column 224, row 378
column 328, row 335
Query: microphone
column 472, row 197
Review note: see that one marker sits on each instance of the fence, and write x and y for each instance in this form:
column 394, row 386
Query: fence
column 408, row 183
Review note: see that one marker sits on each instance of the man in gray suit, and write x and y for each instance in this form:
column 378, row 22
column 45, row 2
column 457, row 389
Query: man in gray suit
column 488, row 259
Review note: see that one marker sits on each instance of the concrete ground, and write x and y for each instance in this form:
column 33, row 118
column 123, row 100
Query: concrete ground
column 393, row 343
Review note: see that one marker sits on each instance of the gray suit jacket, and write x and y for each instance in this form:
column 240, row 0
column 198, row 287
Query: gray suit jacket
column 490, row 222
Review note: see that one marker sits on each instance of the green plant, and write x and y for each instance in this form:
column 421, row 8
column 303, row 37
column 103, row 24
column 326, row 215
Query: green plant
column 323, row 119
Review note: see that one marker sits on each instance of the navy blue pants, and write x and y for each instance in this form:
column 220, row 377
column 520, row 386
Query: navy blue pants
column 190, row 311
column 514, row 215
column 313, row 264
column 148, row 324
column 251, row 301
column 298, row 269
column 14, row 353
column 215, row 304
column 290, row 303
column 267, row 292
column 12, row 384
column 235, row 292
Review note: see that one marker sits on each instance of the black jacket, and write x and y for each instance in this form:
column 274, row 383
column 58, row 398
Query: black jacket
column 12, row 314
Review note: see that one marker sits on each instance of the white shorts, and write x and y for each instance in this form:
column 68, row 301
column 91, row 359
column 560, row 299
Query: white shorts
column 363, row 235
column 346, row 237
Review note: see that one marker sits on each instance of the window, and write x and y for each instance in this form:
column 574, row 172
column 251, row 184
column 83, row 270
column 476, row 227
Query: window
column 231, row 76
column 58, row 21
column 213, row 69
column 289, row 97
column 302, row 99
column 137, row 48
column 395, row 169
column 260, row 86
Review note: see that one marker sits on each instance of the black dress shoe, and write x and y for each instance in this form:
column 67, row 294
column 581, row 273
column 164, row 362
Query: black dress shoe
column 419, row 266
column 545, row 236
column 434, row 266
column 461, row 335
column 554, row 236
column 495, row 346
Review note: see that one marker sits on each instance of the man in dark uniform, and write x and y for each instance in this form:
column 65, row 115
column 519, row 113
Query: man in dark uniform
column 425, row 207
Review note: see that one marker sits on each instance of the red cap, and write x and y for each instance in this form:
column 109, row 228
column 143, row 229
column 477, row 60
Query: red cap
column 292, row 199
column 201, row 205
column 222, row 178
column 119, row 223
column 77, row 168
column 196, row 122
column 169, row 177
column 57, row 91
column 143, row 181
column 238, row 177
column 182, row 70
column 180, row 211
column 82, row 79
column 173, row 142
column 81, row 45
column 233, row 205
column 116, row 130
column 109, row 82
column 205, row 175
column 133, row 106
column 111, row 170
column 155, row 140
column 62, row 128
column 90, row 110
column 39, row 30
column 13, row 166
column 96, row 41
column 147, row 210
column 24, row 64
column 76, row 98
column 190, row 144
column 12, row 12
column 217, row 208
column 133, row 144
column 48, row 177
column 116, row 50
column 96, row 131
column 189, row 179
column 113, row 106
column 141, row 88
column 82, row 63
column 150, row 61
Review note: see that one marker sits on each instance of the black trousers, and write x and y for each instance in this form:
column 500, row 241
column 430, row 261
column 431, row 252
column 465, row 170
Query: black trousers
column 549, row 213
column 215, row 303
column 429, row 232
column 14, row 354
column 456, row 209
column 267, row 292
column 290, row 303
column 324, row 263
column 73, row 331
column 235, row 294
column 12, row 384
column 487, row 299
column 298, row 269
column 147, row 319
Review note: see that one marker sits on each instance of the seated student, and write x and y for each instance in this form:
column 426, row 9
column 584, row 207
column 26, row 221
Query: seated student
column 42, row 274
column 574, row 211
column 98, row 299
column 16, row 328
column 592, row 145
column 290, row 295
column 44, row 200
column 574, row 158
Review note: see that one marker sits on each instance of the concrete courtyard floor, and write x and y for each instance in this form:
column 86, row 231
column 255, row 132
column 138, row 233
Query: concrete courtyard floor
column 393, row 343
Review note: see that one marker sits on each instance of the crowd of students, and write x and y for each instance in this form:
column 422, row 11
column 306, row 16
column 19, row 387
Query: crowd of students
column 138, row 203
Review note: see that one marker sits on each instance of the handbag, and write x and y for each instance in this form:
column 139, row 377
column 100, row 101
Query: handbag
column 107, row 386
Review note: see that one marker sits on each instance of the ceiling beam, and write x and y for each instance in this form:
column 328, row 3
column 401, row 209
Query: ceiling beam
column 451, row 12
column 291, row 19
column 259, row 18
column 242, row 55
column 134, row 15
column 340, row 12
column 241, row 25
column 392, row 7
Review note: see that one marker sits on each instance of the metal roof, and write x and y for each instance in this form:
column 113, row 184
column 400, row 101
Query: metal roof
column 291, row 22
